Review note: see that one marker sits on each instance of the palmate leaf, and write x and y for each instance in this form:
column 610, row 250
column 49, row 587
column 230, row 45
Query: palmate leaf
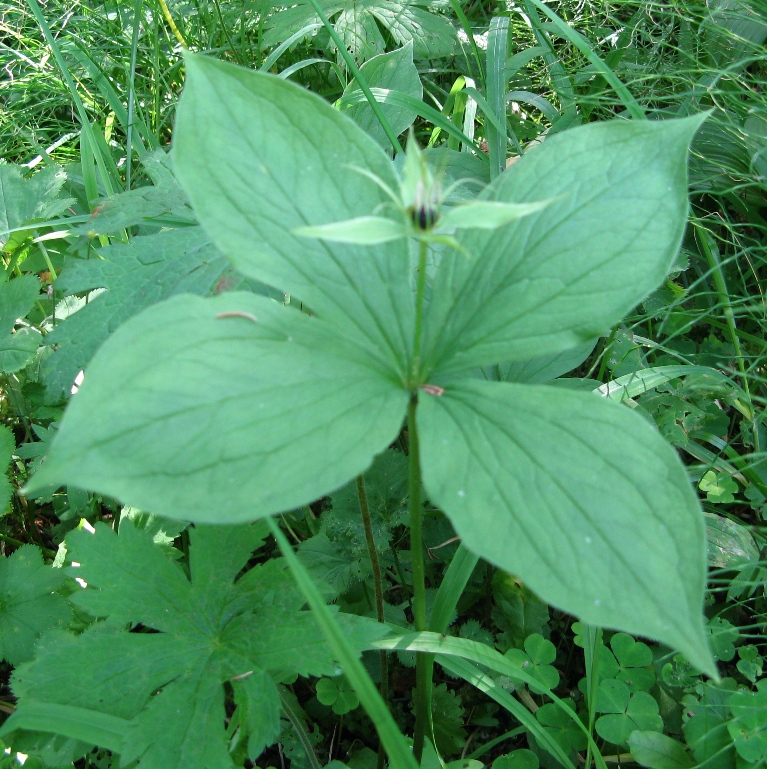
column 17, row 297
column 356, row 22
column 23, row 200
column 579, row 497
column 170, row 685
column 29, row 604
column 235, row 408
column 136, row 276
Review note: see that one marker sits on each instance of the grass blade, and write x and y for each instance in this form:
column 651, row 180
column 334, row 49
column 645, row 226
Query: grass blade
column 400, row 755
column 582, row 44
column 495, row 130
column 89, row 726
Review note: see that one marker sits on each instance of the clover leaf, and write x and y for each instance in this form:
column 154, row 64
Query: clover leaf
column 171, row 644
column 561, row 726
column 231, row 408
column 338, row 694
column 626, row 712
column 635, row 661
column 535, row 661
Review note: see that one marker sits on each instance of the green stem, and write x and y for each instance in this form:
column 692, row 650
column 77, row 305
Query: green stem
column 423, row 668
column 298, row 728
column 235, row 53
column 424, row 662
column 419, row 303
column 378, row 585
column 172, row 24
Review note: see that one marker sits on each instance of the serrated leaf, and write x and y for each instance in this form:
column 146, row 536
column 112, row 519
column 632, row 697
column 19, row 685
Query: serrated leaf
column 17, row 297
column 170, row 684
column 657, row 751
column 355, row 21
column 279, row 392
column 394, row 71
column 150, row 269
column 328, row 562
column 151, row 205
column 488, row 447
column 260, row 707
column 250, row 202
column 29, row 604
column 22, row 200
column 555, row 279
column 7, row 447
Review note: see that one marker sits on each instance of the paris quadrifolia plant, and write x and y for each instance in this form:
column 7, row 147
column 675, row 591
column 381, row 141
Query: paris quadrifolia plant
column 234, row 408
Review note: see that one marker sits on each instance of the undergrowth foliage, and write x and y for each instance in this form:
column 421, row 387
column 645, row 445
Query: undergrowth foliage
column 365, row 426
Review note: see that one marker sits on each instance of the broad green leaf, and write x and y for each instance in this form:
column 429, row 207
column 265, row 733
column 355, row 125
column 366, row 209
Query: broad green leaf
column 29, row 604
column 395, row 71
column 213, row 630
column 657, row 751
column 577, row 496
column 136, row 276
column 538, row 370
column 223, row 410
column 363, row 231
column 22, row 200
column 259, row 157
column 17, row 297
column 486, row 214
column 558, row 278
